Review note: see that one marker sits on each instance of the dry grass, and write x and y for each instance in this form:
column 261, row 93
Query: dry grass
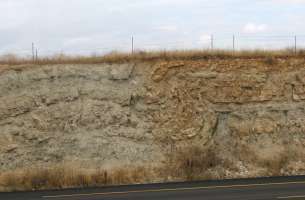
column 143, row 56
column 183, row 164
column 190, row 163
column 65, row 176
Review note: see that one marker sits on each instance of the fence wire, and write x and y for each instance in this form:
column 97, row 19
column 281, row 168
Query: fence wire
column 210, row 42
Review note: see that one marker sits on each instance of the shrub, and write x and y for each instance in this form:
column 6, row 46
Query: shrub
column 192, row 163
column 270, row 60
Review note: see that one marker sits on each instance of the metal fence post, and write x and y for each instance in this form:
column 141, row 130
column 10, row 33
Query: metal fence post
column 295, row 44
column 233, row 43
column 33, row 54
column 132, row 45
column 36, row 54
column 212, row 42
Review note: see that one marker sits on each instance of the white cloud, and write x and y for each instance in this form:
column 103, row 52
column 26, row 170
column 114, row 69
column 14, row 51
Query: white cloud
column 254, row 28
column 295, row 1
column 167, row 28
column 13, row 14
column 289, row 1
column 205, row 38
column 110, row 24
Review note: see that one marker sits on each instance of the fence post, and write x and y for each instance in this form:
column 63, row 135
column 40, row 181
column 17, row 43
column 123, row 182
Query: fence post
column 132, row 47
column 212, row 42
column 295, row 45
column 33, row 54
column 36, row 54
column 233, row 43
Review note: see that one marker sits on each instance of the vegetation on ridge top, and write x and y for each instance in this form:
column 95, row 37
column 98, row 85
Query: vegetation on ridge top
column 147, row 56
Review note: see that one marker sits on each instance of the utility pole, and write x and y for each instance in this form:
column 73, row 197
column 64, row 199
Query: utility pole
column 132, row 47
column 33, row 53
column 212, row 42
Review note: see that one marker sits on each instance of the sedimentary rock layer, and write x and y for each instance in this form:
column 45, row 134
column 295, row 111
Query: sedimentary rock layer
column 107, row 115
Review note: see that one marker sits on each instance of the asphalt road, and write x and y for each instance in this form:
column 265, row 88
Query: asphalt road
column 291, row 188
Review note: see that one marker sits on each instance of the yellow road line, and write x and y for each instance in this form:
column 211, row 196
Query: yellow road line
column 173, row 189
column 292, row 197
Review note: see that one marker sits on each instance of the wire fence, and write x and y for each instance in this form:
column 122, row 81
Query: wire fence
column 206, row 42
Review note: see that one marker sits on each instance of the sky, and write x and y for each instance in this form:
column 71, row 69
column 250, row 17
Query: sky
column 99, row 26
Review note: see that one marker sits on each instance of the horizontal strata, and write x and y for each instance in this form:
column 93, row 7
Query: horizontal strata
column 121, row 114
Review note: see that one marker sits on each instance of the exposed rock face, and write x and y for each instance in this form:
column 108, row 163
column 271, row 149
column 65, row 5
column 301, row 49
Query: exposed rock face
column 110, row 115
column 73, row 113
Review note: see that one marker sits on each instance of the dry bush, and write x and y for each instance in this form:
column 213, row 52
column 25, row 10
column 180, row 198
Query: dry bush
column 270, row 60
column 278, row 164
column 268, row 165
column 273, row 167
column 10, row 59
column 192, row 163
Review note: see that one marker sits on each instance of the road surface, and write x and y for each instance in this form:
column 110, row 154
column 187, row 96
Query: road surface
column 290, row 188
